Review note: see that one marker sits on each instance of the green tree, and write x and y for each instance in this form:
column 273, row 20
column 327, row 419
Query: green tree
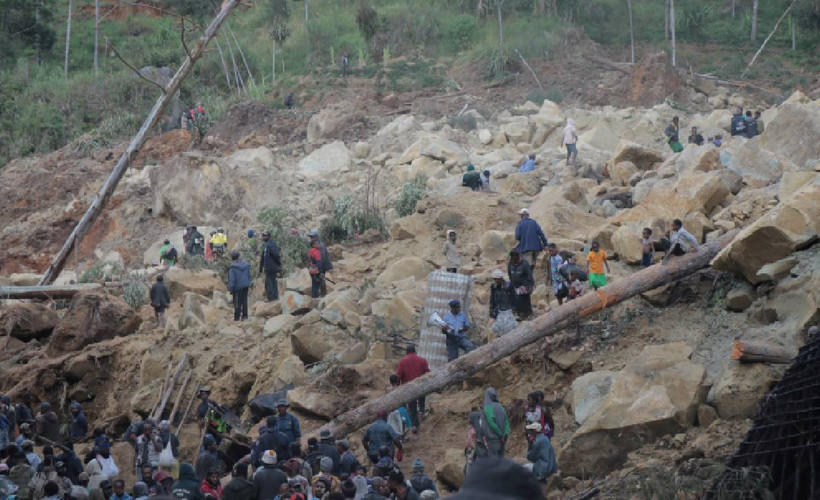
column 25, row 25
column 277, row 13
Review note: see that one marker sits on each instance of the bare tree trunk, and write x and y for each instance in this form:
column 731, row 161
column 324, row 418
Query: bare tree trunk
column 273, row 55
column 110, row 185
column 498, row 5
column 479, row 9
column 754, row 21
column 306, row 11
column 528, row 333
column 237, row 76
column 734, row 2
column 631, row 35
column 96, row 35
column 68, row 36
column 794, row 32
column 666, row 21
column 672, row 31
column 776, row 25
column 37, row 39
column 224, row 65
column 242, row 55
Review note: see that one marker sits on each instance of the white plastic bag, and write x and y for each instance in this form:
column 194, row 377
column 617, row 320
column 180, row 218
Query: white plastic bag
column 166, row 456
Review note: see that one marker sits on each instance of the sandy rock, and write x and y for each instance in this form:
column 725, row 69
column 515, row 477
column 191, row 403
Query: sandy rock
column 396, row 312
column 654, row 395
column 24, row 279
column 351, row 354
column 261, row 157
column 518, row 131
column 622, row 171
column 485, row 136
column 408, row 228
column 792, row 131
column 437, row 148
column 299, row 281
column 642, row 157
column 266, row 309
column 295, row 303
column 181, row 281
column 778, row 270
column 450, row 470
column 706, row 415
column 30, row 321
column 566, row 360
column 404, row 268
column 279, row 324
column 192, row 314
column 589, row 392
column 314, row 342
column 601, row 137
column 92, row 317
column 527, row 184
column 333, row 122
column 698, row 158
column 342, row 388
column 333, row 157
column 361, row 150
column 495, row 245
column 790, row 226
column 739, row 299
column 740, row 389
column 448, row 218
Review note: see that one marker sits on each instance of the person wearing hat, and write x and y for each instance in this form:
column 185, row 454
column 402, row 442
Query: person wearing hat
column 502, row 298
column 451, row 252
column 522, row 281
column 531, row 239
column 327, row 447
column 187, row 486
column 79, row 424
column 106, row 460
column 495, row 424
column 164, row 482
column 286, row 422
column 48, row 424
column 419, row 480
column 26, row 432
column 219, row 242
column 239, row 281
column 324, row 264
column 268, row 479
column 540, row 453
column 380, row 434
column 160, row 300
column 471, row 178
column 348, row 461
column 270, row 263
column 497, row 478
column 398, row 486
column 455, row 331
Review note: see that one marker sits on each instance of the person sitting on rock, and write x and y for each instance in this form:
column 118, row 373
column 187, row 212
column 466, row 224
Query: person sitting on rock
column 455, row 331
column 716, row 140
column 540, row 453
column 681, row 241
column 759, row 120
column 471, row 178
column 695, row 137
column 751, row 125
column 528, row 164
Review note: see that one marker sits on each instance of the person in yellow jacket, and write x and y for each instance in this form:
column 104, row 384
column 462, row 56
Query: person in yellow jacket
column 219, row 242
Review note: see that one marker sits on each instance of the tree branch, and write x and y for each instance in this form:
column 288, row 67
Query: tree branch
column 135, row 70
column 182, row 36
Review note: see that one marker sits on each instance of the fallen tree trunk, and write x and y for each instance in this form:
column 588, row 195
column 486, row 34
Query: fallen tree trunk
column 110, row 185
column 46, row 292
column 761, row 352
column 528, row 333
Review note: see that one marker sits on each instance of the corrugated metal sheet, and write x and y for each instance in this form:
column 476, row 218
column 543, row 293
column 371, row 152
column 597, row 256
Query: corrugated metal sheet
column 442, row 287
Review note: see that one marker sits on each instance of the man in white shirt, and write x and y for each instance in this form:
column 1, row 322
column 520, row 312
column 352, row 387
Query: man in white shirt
column 569, row 138
column 109, row 468
column 681, row 241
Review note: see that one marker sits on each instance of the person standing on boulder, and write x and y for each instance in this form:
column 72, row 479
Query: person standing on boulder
column 751, row 124
column 522, row 282
column 286, row 423
column 79, row 424
column 738, row 126
column 167, row 254
column 673, row 135
column 695, row 137
column 324, row 263
column 451, row 252
column 569, row 138
column 554, row 264
column 496, row 426
column 160, row 300
column 411, row 367
column 196, row 243
column 271, row 264
column 596, row 263
column 239, row 280
column 530, row 237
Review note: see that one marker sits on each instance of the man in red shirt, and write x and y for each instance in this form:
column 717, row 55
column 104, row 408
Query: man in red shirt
column 411, row 367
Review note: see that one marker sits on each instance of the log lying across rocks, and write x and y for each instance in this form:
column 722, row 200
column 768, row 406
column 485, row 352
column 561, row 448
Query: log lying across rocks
column 528, row 333
column 761, row 352
column 47, row 292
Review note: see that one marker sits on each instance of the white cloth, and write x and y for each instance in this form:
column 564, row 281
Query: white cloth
column 451, row 253
column 684, row 238
column 504, row 323
column 109, row 468
column 570, row 132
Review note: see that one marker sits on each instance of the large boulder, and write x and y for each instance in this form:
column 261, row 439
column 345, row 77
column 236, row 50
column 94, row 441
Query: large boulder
column 589, row 391
column 518, row 131
column 92, row 317
column 192, row 314
column 495, row 245
column 792, row 133
column 741, row 388
column 24, row 279
column 792, row 225
column 28, row 321
column 404, row 268
column 335, row 122
column 181, row 281
column 654, row 395
column 330, row 158
column 437, row 148
column 295, row 303
column 641, row 156
column 397, row 312
column 626, row 240
column 450, row 470
column 314, row 342
column 341, row 388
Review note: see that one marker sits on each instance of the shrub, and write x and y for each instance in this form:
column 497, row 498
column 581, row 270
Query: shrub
column 537, row 96
column 348, row 219
column 411, row 193
column 294, row 248
column 555, row 95
column 134, row 292
column 102, row 271
column 459, row 32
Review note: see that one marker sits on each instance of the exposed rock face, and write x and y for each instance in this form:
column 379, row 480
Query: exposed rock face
column 450, row 471
column 93, row 317
column 322, row 399
column 792, row 133
column 654, row 395
column 334, row 122
column 589, row 392
column 404, row 268
column 741, row 388
column 333, row 157
column 192, row 313
column 181, row 281
column 642, row 157
column 314, row 342
column 437, row 148
column 30, row 320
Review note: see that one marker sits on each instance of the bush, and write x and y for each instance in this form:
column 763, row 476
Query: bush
column 411, row 193
column 349, row 219
column 555, row 95
column 459, row 32
column 134, row 292
column 537, row 96
column 102, row 271
column 294, row 248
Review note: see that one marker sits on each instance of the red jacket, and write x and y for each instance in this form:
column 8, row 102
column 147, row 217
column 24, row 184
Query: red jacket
column 411, row 367
column 207, row 489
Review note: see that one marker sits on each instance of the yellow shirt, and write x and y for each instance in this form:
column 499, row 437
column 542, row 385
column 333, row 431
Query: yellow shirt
column 219, row 239
column 596, row 262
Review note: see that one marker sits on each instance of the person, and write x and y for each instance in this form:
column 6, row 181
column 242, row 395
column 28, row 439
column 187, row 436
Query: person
column 428, row 495
column 596, row 263
column 326, row 474
column 531, row 239
column 219, row 242
column 289, row 101
column 167, row 436
column 738, row 125
column 471, row 178
column 411, row 367
column 73, row 463
column 43, row 475
column 165, row 482
column 451, row 252
column 760, row 127
column 345, row 64
column 695, row 137
column 208, row 249
column 95, row 475
column 751, row 125
column 716, row 140
column 207, row 458
column 325, row 265
column 141, row 491
column 379, row 490
column 271, row 264
column 327, row 447
column 455, row 329
column 537, row 412
column 485, row 180
column 211, row 485
column 380, row 434
column 681, row 241
column 399, row 419
column 540, row 453
column 399, row 487
column 419, row 480
column 22, row 411
column 286, row 422
column 554, row 264
column 196, row 242
column 576, row 286
column 269, row 478
column 527, row 164
column 385, row 463
column 148, row 446
column 672, row 132
column 168, row 254
column 239, row 281
column 314, row 263
column 160, row 300
column 496, row 426
column 569, row 138
column 239, row 488
column 48, row 424
column 270, row 438
column 521, row 279
column 106, row 460
column 202, row 410
column 21, row 474
column 51, row 491
column 187, row 486
column 321, row 487
column 119, row 491
column 647, row 247
column 348, row 462
column 26, row 433
column 475, row 446
column 496, row 478
column 147, row 476
column 502, row 298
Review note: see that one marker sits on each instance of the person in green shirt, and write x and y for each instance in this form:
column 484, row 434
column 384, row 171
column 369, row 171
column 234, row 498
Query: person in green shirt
column 495, row 424
column 168, row 254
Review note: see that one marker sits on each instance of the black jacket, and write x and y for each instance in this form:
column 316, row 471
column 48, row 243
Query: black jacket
column 329, row 450
column 239, row 489
column 159, row 295
column 266, row 482
column 501, row 298
column 271, row 260
column 520, row 274
column 274, row 440
column 187, row 486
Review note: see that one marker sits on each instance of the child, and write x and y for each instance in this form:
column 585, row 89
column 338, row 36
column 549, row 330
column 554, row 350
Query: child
column 485, row 180
column 647, row 247
column 596, row 263
column 576, row 286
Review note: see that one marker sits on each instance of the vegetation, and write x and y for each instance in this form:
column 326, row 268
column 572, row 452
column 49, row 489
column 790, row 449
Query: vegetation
column 350, row 218
column 411, row 193
column 293, row 247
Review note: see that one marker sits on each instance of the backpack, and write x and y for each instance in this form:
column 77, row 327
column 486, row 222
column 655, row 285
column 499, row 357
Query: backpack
column 171, row 255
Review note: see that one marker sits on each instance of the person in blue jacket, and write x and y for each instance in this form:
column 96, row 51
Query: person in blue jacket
column 540, row 453
column 239, row 281
column 530, row 237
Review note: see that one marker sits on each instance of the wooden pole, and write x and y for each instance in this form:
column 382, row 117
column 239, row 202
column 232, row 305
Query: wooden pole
column 110, row 185
column 188, row 408
column 68, row 35
column 761, row 352
column 48, row 292
column 528, row 333
column 170, row 389
column 179, row 396
column 762, row 45
column 161, row 390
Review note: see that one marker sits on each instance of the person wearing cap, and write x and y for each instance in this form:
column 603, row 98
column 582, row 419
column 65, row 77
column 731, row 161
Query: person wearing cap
column 167, row 436
column 348, row 461
column 380, row 434
column 419, row 480
column 79, row 424
column 48, row 424
column 187, row 486
column 204, row 394
column 495, row 424
column 411, row 367
column 207, row 459
column 164, row 482
column 451, row 252
column 219, row 242
column 32, row 458
column 540, row 453
column 286, row 422
column 455, row 331
column 26, row 432
column 385, row 464
column 502, row 298
column 398, row 486
column 168, row 254
column 239, row 281
column 324, row 263
column 327, row 447
column 531, row 239
column 211, row 486
column 268, row 479
column 106, row 460
column 160, row 300
column 496, row 478
column 270, row 263
column 522, row 281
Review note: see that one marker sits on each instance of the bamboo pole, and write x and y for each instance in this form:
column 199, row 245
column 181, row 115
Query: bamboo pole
column 110, row 185
column 528, row 333
column 170, row 389
column 188, row 407
column 162, row 389
column 179, row 396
